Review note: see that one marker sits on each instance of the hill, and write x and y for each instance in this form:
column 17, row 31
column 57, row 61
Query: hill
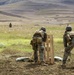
column 31, row 10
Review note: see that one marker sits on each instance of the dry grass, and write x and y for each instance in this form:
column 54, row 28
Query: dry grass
column 18, row 37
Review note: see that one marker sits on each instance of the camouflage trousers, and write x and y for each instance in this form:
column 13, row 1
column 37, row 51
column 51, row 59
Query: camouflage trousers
column 67, row 51
column 40, row 49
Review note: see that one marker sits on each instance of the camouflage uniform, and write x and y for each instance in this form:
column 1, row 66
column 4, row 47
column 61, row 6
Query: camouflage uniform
column 41, row 36
column 68, row 39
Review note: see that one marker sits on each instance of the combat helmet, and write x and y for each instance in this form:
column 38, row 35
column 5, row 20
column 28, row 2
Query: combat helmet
column 69, row 28
column 43, row 28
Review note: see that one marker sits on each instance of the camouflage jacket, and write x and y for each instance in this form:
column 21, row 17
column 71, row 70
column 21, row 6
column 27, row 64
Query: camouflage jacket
column 67, row 38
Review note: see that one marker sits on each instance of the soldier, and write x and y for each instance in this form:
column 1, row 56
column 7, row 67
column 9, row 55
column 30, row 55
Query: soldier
column 68, row 39
column 37, row 43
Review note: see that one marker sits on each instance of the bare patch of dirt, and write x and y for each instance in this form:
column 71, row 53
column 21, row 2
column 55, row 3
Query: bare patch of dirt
column 9, row 66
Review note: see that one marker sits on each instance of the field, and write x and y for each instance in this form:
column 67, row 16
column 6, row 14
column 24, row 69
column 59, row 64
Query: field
column 15, row 42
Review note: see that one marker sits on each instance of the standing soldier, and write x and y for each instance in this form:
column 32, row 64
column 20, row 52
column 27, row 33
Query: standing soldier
column 68, row 39
column 37, row 43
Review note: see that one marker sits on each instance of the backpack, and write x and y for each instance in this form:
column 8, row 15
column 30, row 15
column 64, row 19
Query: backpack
column 70, row 35
column 37, row 37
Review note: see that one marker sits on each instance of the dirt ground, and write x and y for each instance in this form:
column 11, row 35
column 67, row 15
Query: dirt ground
column 9, row 66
